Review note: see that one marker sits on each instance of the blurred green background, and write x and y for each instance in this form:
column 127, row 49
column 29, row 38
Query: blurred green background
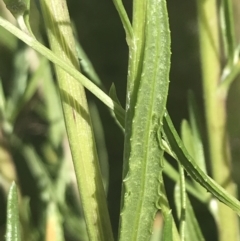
column 100, row 33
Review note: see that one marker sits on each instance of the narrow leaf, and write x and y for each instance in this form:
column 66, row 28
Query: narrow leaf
column 87, row 67
column 143, row 155
column 194, row 171
column 117, row 115
column 101, row 143
column 193, row 150
column 13, row 230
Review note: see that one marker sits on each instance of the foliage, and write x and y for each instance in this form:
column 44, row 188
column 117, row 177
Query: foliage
column 53, row 141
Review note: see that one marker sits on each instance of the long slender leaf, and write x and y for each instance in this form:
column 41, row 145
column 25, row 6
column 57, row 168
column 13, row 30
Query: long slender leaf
column 101, row 144
column 194, row 171
column 119, row 118
column 13, row 229
column 143, row 165
column 193, row 149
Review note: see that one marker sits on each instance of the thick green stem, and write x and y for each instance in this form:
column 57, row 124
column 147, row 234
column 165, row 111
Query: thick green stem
column 78, row 122
column 215, row 109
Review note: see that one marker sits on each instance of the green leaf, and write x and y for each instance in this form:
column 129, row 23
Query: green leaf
column 101, row 143
column 188, row 140
column 117, row 115
column 192, row 168
column 13, row 229
column 113, row 94
column 87, row 67
column 143, row 155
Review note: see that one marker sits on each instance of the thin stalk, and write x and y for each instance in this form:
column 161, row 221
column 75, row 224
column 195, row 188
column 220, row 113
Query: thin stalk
column 68, row 67
column 215, row 110
column 183, row 203
column 78, row 122
column 125, row 20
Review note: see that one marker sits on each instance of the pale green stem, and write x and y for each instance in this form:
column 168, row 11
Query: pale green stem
column 216, row 113
column 78, row 122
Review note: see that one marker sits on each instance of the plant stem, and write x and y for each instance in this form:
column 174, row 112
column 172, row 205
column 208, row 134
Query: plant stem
column 78, row 123
column 215, row 109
